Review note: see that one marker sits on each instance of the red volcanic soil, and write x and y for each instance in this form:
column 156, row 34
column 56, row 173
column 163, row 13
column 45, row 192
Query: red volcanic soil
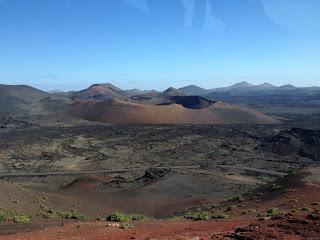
column 141, row 230
column 159, row 199
column 87, row 182
column 99, row 92
column 297, row 194
column 121, row 111
column 291, row 228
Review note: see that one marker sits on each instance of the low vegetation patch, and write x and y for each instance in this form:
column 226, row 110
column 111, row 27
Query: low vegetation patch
column 120, row 217
column 220, row 216
column 48, row 214
column 72, row 214
column 272, row 212
column 11, row 216
column 126, row 226
column 42, row 199
column 137, row 217
column 239, row 198
column 196, row 215
column 314, row 216
column 306, row 209
column 275, row 213
column 315, row 204
column 231, row 208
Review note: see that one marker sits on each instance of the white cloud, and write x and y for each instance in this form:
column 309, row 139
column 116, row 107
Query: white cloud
column 212, row 24
column 188, row 4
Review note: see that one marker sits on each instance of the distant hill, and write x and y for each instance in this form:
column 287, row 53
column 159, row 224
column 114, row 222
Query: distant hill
column 245, row 87
column 193, row 90
column 264, row 86
column 30, row 105
column 100, row 92
column 22, row 92
column 108, row 103
column 135, row 91
column 121, row 111
column 16, row 99
column 55, row 91
column 173, row 92
column 287, row 87
column 242, row 86
column 104, row 91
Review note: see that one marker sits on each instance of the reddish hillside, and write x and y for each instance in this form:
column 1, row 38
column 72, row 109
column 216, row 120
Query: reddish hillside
column 121, row 111
column 99, row 92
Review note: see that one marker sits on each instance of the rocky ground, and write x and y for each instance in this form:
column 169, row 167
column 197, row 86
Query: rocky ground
column 232, row 175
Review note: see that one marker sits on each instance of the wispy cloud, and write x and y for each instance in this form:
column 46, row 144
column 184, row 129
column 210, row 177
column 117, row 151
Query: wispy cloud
column 140, row 4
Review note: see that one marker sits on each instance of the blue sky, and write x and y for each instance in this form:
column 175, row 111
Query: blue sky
column 70, row 44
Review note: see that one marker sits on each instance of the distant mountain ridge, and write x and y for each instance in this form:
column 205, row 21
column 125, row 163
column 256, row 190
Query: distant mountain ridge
column 103, row 91
column 190, row 104
column 171, row 91
column 193, row 90
column 247, row 87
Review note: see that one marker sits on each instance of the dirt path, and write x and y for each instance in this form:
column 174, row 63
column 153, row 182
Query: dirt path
column 257, row 170
column 67, row 173
column 126, row 170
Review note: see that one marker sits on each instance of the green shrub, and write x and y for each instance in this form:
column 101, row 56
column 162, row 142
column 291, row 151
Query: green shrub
column 175, row 218
column 49, row 214
column 41, row 199
column 239, row 199
column 117, row 217
column 296, row 210
column 20, row 219
column 271, row 212
column 220, row 216
column 313, row 216
column 196, row 215
column 231, row 207
column 306, row 209
column 10, row 216
column 73, row 214
column 120, row 217
column 137, row 217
